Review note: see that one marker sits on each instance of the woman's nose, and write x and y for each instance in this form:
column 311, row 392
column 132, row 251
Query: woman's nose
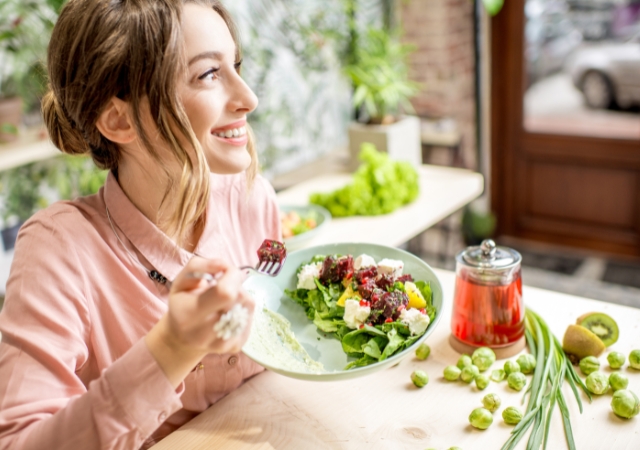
column 242, row 97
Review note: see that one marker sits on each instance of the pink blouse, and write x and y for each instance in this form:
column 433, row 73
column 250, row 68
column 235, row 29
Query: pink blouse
column 75, row 372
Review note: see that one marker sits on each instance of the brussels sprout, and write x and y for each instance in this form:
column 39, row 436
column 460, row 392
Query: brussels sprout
column 597, row 383
column 469, row 373
column 618, row 381
column 419, row 378
column 512, row 415
column 454, row 448
column 589, row 365
column 625, row 404
column 527, row 362
column 480, row 418
column 451, row 373
column 491, row 402
column 483, row 358
column 511, row 367
column 464, row 361
column 634, row 359
column 616, row 359
column 423, row 351
column 516, row 381
column 482, row 381
column 498, row 375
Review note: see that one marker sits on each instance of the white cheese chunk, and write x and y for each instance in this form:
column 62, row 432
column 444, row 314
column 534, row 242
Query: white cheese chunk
column 307, row 276
column 391, row 267
column 354, row 314
column 363, row 261
column 416, row 321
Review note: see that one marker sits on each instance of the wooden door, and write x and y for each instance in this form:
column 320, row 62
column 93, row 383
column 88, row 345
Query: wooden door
column 563, row 177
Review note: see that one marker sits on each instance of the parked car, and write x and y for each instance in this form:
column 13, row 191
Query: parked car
column 551, row 38
column 608, row 73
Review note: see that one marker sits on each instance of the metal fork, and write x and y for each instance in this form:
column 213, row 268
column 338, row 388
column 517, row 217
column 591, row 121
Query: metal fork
column 268, row 264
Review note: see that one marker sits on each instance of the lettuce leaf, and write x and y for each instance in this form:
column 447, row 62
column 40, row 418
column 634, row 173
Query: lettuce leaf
column 379, row 186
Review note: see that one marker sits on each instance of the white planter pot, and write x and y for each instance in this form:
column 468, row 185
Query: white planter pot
column 401, row 140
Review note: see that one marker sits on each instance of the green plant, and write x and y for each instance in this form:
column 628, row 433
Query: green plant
column 477, row 226
column 23, row 189
column 379, row 75
column 75, row 176
column 25, row 29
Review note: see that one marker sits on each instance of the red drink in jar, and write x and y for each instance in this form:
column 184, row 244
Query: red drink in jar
column 488, row 309
column 488, row 315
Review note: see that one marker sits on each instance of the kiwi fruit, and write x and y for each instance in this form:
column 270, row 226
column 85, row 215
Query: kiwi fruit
column 579, row 342
column 601, row 325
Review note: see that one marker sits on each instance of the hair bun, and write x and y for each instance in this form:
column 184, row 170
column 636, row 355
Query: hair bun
column 62, row 132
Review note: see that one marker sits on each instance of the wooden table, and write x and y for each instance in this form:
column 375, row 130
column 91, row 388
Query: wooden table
column 443, row 190
column 385, row 411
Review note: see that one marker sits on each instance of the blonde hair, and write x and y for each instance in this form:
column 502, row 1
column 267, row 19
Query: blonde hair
column 130, row 49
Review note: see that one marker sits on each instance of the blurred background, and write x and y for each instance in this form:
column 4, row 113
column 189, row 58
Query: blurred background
column 540, row 96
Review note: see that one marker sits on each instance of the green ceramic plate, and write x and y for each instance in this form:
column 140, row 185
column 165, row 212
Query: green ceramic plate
column 327, row 350
column 322, row 216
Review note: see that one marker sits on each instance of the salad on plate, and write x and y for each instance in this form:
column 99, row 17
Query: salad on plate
column 373, row 308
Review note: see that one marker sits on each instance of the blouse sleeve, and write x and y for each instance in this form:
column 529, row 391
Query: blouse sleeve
column 46, row 340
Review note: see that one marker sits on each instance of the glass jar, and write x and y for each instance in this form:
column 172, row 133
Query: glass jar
column 488, row 309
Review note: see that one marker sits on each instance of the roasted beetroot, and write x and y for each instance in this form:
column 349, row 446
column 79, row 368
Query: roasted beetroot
column 366, row 289
column 387, row 305
column 366, row 273
column 272, row 251
column 385, row 282
column 405, row 277
column 334, row 270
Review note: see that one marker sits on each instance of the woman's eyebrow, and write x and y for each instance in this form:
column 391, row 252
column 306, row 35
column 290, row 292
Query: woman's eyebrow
column 207, row 55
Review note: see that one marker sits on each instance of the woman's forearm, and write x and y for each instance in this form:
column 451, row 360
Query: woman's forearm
column 175, row 359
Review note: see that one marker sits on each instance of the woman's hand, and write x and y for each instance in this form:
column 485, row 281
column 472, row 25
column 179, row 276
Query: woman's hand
column 184, row 335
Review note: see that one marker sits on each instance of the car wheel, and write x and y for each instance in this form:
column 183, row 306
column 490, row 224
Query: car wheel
column 597, row 90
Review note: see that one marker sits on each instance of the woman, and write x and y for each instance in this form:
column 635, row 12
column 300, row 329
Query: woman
column 108, row 337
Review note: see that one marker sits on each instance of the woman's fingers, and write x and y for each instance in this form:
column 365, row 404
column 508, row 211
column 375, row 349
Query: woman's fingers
column 224, row 293
column 196, row 270
column 214, row 313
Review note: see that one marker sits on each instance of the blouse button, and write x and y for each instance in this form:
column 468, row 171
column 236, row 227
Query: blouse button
column 162, row 417
column 233, row 360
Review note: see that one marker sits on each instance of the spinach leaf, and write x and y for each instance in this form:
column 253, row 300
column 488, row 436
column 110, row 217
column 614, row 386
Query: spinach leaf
column 328, row 326
column 400, row 327
column 395, row 342
column 364, row 361
column 409, row 341
column 354, row 341
column 372, row 348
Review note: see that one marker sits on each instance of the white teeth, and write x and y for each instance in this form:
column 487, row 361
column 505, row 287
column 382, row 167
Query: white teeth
column 232, row 133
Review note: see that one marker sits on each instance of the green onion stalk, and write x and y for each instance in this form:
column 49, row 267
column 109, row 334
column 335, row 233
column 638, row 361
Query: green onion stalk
column 545, row 390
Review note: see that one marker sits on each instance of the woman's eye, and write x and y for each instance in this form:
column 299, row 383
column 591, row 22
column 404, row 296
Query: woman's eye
column 210, row 74
column 238, row 65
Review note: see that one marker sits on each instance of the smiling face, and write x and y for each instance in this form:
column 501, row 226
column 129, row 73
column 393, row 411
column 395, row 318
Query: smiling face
column 215, row 98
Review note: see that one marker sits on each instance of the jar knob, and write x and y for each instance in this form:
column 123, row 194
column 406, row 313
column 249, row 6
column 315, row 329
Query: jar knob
column 488, row 248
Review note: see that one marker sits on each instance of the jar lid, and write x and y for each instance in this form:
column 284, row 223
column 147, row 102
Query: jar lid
column 489, row 256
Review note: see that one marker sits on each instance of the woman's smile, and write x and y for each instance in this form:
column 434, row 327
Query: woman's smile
column 234, row 133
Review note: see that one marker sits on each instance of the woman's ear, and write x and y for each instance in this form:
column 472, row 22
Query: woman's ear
column 115, row 122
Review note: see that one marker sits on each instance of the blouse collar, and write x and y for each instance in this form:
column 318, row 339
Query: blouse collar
column 156, row 247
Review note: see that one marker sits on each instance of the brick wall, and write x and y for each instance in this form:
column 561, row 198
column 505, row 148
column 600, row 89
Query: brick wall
column 442, row 31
